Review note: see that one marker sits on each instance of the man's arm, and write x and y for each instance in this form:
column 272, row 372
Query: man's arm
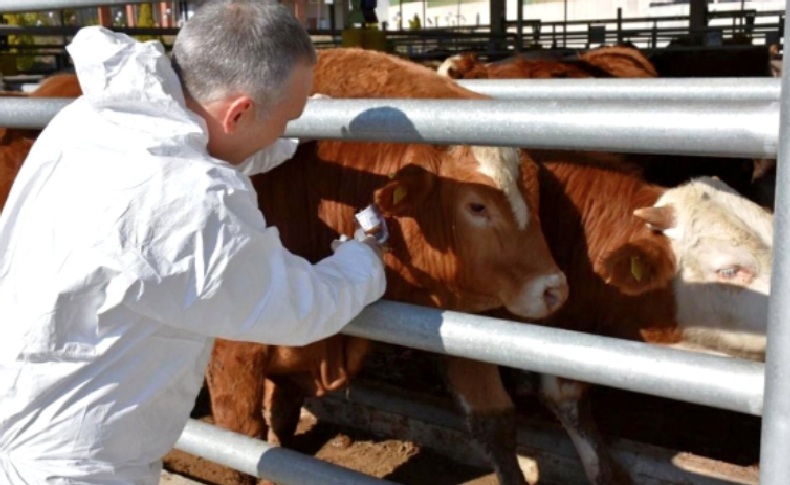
column 242, row 284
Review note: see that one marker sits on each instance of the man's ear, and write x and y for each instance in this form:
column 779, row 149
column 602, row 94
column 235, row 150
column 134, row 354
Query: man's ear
column 236, row 111
column 638, row 266
column 406, row 192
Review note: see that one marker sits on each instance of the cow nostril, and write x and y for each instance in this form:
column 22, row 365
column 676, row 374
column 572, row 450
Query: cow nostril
column 554, row 296
column 550, row 297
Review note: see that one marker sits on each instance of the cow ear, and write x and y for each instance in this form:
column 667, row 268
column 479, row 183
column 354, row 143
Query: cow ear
column 638, row 266
column 406, row 192
column 657, row 218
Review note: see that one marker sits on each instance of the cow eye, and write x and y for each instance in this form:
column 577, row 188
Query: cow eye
column 734, row 274
column 728, row 273
column 478, row 209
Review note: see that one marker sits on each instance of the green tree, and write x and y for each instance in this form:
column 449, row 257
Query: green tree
column 145, row 18
column 415, row 23
column 23, row 63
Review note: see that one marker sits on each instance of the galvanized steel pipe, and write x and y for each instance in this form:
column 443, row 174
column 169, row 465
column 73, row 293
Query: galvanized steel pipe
column 33, row 5
column 713, row 90
column 30, row 113
column 720, row 382
column 714, row 129
column 260, row 459
column 747, row 130
column 775, row 436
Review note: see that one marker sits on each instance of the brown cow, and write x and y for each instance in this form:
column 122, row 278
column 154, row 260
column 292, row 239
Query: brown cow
column 465, row 236
column 14, row 148
column 753, row 178
column 623, row 62
column 688, row 267
column 58, row 86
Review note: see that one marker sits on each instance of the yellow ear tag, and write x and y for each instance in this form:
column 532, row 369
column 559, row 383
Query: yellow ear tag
column 398, row 195
column 637, row 269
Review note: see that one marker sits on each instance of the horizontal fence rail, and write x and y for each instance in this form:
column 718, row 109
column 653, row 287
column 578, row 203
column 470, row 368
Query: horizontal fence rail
column 71, row 30
column 30, row 113
column 33, row 5
column 748, row 129
column 669, row 89
column 260, row 459
column 720, row 382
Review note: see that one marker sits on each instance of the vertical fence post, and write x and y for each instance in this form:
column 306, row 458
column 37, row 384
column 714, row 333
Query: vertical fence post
column 775, row 438
column 519, row 25
column 654, row 36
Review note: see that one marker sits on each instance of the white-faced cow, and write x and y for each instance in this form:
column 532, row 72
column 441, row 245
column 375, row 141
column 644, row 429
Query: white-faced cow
column 688, row 267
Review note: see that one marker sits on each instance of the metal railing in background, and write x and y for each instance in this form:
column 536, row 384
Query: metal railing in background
column 647, row 33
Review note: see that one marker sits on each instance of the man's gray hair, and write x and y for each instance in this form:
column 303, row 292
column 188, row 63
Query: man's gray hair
column 246, row 47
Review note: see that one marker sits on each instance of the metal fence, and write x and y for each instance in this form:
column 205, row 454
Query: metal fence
column 649, row 32
column 753, row 122
column 733, row 129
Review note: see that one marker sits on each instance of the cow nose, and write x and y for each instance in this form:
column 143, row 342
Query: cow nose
column 555, row 292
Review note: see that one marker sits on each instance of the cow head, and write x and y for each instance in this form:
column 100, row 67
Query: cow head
column 477, row 210
column 620, row 61
column 721, row 243
column 463, row 66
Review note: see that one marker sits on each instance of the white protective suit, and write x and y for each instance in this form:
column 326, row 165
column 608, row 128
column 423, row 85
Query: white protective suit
column 124, row 248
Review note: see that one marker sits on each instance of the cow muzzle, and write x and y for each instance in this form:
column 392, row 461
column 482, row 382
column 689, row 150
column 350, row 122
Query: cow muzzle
column 541, row 296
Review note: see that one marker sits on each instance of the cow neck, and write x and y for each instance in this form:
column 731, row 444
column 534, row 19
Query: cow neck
column 585, row 211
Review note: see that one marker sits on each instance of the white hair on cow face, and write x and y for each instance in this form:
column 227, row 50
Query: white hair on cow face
column 722, row 243
column 502, row 165
column 703, row 193
column 449, row 63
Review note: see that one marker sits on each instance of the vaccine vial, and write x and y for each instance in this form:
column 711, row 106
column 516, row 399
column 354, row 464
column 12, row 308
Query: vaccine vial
column 372, row 223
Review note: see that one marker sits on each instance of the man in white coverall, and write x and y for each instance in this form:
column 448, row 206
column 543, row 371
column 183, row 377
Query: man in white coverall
column 132, row 237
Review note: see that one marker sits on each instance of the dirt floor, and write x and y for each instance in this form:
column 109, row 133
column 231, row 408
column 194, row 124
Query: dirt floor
column 720, row 435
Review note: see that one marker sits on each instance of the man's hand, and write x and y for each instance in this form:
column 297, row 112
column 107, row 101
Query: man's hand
column 360, row 236
column 337, row 242
column 373, row 244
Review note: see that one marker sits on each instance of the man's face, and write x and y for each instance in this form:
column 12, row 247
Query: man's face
column 263, row 132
